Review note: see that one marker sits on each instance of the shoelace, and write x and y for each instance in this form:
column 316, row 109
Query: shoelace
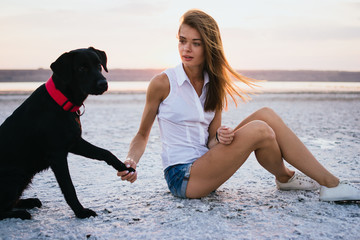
column 303, row 178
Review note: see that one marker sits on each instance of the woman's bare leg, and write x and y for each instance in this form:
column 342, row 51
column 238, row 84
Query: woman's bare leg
column 222, row 161
column 292, row 149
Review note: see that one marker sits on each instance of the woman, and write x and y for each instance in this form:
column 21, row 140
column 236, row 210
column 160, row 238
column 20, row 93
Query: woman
column 198, row 154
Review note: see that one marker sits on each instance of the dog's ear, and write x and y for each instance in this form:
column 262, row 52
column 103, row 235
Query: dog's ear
column 63, row 67
column 102, row 56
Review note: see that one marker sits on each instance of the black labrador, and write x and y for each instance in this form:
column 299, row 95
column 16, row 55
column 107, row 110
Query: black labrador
column 46, row 127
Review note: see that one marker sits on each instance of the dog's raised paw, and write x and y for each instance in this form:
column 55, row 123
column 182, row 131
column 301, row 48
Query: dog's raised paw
column 85, row 213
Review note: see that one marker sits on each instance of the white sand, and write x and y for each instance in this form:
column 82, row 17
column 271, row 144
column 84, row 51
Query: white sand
column 248, row 206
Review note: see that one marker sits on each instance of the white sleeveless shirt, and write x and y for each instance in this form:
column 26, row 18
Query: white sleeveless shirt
column 182, row 120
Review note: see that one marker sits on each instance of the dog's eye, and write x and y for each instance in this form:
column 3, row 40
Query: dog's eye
column 82, row 69
column 99, row 67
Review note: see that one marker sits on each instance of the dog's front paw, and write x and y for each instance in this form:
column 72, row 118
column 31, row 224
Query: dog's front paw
column 120, row 166
column 85, row 213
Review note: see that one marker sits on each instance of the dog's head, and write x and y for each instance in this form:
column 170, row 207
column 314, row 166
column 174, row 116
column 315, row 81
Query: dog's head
column 78, row 72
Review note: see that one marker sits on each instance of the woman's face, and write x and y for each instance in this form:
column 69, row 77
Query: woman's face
column 191, row 46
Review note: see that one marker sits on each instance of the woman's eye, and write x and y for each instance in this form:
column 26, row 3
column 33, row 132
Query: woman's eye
column 182, row 41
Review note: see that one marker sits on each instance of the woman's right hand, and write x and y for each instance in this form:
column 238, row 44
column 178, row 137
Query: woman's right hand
column 126, row 175
column 225, row 135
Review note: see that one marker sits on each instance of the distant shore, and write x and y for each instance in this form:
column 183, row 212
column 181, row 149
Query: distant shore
column 265, row 87
column 35, row 75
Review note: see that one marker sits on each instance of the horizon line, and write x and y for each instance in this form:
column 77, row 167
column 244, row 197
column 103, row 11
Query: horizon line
column 161, row 69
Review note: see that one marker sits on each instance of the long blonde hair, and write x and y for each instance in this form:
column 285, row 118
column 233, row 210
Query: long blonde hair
column 216, row 65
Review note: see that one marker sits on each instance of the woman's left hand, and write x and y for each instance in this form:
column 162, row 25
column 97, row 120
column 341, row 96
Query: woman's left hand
column 225, row 135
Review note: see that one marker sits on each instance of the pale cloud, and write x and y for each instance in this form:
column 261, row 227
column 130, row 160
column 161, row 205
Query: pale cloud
column 140, row 8
column 277, row 34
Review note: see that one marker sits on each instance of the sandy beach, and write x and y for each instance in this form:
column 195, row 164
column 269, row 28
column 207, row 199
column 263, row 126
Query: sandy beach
column 248, row 206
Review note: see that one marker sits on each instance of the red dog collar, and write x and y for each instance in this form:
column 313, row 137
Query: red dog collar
column 60, row 98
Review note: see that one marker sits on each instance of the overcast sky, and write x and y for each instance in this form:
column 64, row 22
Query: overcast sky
column 257, row 34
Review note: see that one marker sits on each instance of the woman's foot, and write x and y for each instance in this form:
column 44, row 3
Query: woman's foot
column 298, row 182
column 345, row 191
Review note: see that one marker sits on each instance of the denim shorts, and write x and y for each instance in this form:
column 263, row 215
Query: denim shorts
column 177, row 178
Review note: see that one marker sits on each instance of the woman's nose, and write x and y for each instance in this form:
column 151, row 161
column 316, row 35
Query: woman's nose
column 187, row 48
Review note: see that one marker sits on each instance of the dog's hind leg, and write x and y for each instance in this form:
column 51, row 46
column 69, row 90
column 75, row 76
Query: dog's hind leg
column 28, row 203
column 22, row 214
column 11, row 188
column 7, row 202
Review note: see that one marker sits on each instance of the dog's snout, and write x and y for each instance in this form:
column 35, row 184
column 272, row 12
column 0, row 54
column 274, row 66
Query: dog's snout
column 102, row 85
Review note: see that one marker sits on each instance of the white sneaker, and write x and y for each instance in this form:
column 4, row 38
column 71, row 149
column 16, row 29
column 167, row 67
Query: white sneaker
column 342, row 192
column 298, row 182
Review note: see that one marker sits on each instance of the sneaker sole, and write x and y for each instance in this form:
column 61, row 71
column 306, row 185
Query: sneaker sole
column 305, row 189
column 339, row 199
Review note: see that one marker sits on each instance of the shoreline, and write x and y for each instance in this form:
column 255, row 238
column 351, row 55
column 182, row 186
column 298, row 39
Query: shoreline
column 264, row 87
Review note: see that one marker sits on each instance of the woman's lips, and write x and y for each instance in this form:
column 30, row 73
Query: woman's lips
column 187, row 58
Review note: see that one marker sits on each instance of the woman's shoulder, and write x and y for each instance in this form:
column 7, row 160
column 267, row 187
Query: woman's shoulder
column 160, row 80
column 159, row 85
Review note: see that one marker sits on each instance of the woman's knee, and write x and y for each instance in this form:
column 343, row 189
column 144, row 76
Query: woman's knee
column 266, row 114
column 264, row 130
column 259, row 131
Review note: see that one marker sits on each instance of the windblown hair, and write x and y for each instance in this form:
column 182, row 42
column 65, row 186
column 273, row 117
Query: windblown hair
column 216, row 65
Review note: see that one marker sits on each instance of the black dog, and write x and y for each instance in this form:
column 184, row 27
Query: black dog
column 46, row 127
